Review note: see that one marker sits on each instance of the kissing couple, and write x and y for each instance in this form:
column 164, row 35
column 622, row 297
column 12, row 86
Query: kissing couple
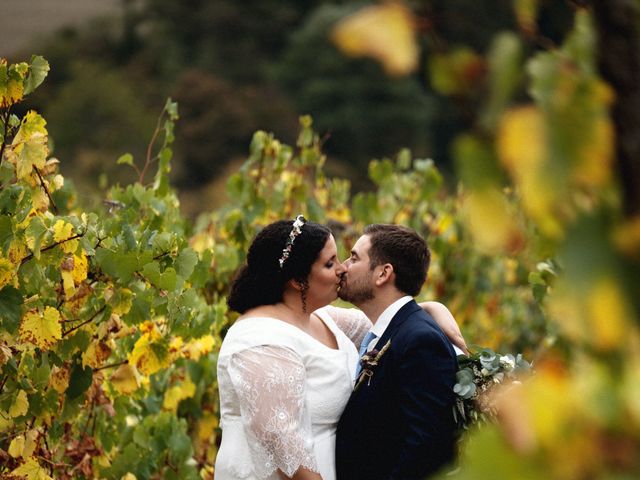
column 313, row 391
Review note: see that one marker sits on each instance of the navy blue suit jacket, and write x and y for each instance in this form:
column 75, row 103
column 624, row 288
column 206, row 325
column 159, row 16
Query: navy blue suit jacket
column 400, row 425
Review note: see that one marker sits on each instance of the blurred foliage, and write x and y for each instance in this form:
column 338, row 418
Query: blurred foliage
column 539, row 174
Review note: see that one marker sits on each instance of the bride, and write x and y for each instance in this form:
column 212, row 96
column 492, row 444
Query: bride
column 286, row 366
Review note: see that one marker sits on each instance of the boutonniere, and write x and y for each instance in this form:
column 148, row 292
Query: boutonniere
column 369, row 362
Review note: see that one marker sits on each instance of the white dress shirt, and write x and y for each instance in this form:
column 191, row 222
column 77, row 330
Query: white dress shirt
column 385, row 319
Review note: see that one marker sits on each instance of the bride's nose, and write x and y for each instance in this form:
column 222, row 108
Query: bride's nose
column 340, row 269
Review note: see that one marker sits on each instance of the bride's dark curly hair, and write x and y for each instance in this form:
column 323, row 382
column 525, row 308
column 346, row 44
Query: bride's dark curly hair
column 261, row 281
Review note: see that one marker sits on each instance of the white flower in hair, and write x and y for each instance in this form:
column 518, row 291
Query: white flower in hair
column 296, row 230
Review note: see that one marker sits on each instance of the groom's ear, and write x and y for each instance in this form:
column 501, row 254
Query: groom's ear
column 384, row 274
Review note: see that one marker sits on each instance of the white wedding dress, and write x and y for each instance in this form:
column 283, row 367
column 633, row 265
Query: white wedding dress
column 282, row 393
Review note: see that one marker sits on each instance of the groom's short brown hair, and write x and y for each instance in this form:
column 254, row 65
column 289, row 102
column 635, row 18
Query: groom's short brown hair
column 403, row 248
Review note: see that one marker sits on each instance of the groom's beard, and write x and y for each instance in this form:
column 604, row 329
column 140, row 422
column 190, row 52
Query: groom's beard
column 357, row 291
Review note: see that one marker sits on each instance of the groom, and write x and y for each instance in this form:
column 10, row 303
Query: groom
column 398, row 423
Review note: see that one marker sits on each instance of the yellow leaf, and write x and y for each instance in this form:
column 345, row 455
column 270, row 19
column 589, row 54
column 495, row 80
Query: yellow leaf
column 200, row 346
column 5, row 354
column 121, row 301
column 5, row 422
column 20, row 405
column 150, row 354
column 95, row 354
column 493, row 226
column 63, row 231
column 177, row 393
column 39, row 199
column 31, row 442
column 24, row 445
column 59, row 379
column 80, row 267
column 17, row 251
column 67, row 283
column 626, row 237
column 31, row 470
column 522, row 149
column 27, row 220
column 125, row 379
column 7, row 272
column 609, row 314
column 41, row 330
column 384, row 32
column 29, row 147
column 12, row 83
column 596, row 155
column 16, row 446
column 207, row 426
column 129, row 476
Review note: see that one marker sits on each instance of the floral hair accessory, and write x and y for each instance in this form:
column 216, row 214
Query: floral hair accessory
column 295, row 231
column 369, row 362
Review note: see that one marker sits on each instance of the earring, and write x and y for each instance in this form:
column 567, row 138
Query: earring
column 303, row 295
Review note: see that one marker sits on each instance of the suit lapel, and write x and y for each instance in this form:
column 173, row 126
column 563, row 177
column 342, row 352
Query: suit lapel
column 397, row 320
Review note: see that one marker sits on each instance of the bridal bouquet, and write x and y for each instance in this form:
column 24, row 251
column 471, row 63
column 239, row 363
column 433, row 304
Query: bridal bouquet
column 478, row 374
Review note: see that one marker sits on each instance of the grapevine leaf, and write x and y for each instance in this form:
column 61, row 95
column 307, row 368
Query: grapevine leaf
column 125, row 379
column 126, row 159
column 41, row 329
column 80, row 381
column 165, row 280
column 30, row 145
column 79, row 341
column 10, row 308
column 16, row 446
column 118, row 265
column 31, row 470
column 38, row 71
column 186, row 262
column 149, row 354
column 34, row 235
column 62, row 232
column 20, row 405
column 174, row 395
column 384, row 32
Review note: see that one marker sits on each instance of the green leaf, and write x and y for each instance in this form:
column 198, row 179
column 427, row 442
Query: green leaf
column 126, row 159
column 79, row 381
column 77, row 342
column 186, row 262
column 38, row 71
column 10, row 309
column 165, row 280
column 380, row 170
column 120, row 266
column 35, row 233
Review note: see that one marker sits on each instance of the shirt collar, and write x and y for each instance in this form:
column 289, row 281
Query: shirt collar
column 387, row 315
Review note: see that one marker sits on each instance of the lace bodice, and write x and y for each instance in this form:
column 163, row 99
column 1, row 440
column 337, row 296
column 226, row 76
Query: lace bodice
column 353, row 322
column 281, row 395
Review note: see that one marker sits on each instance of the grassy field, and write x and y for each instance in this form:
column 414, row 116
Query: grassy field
column 24, row 20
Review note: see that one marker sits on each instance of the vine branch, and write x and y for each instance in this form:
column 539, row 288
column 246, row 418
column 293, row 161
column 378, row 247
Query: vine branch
column 149, row 159
column 85, row 322
column 55, row 208
column 53, row 245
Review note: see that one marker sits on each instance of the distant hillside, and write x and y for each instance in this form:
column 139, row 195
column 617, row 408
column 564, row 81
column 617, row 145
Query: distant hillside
column 22, row 20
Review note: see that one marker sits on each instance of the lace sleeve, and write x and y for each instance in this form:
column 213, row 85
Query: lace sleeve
column 271, row 382
column 353, row 322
